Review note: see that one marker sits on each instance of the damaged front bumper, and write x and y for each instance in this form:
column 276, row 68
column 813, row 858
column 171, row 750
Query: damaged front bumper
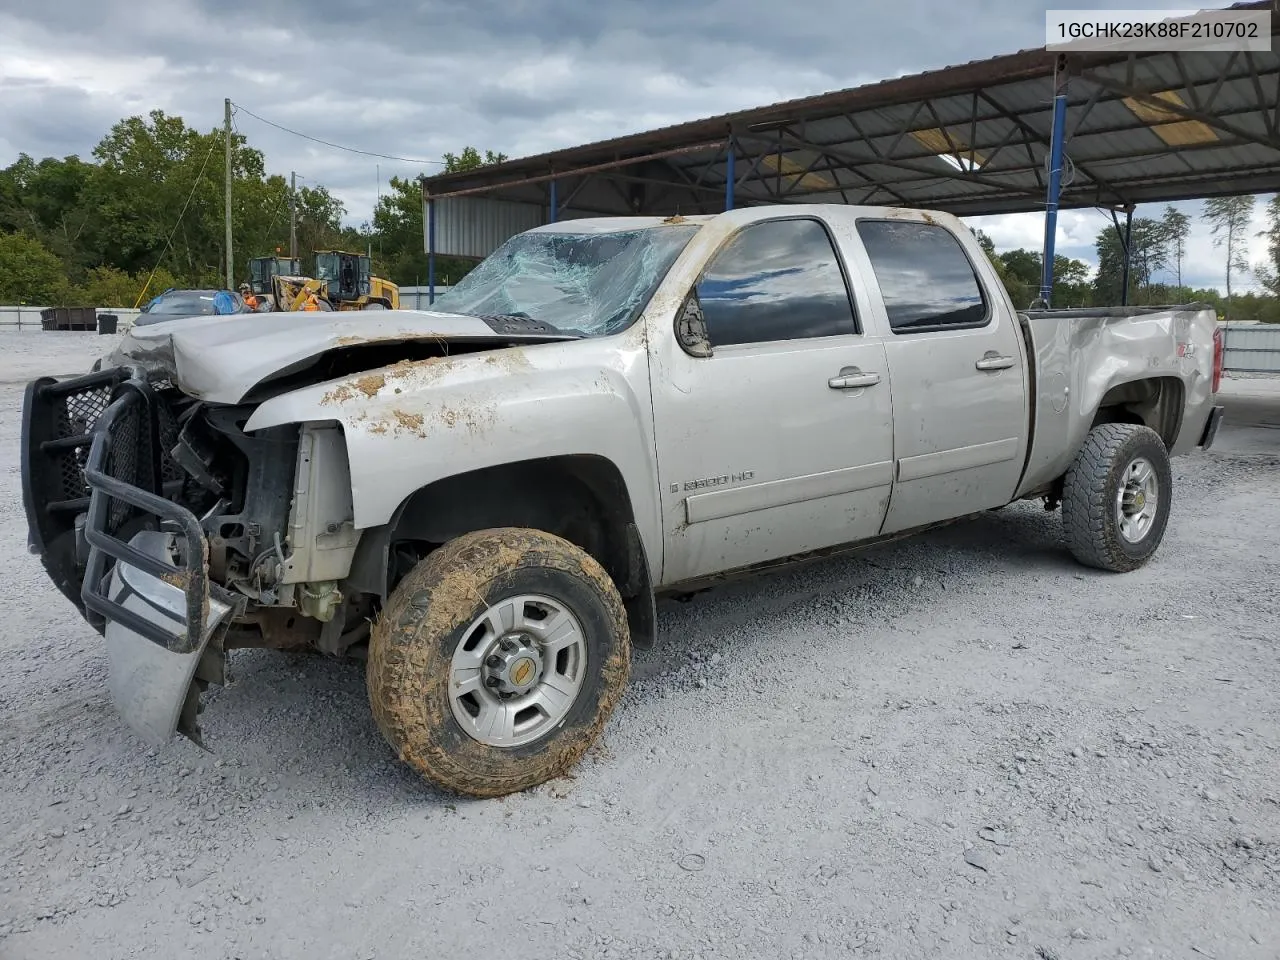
column 156, row 685
column 133, row 561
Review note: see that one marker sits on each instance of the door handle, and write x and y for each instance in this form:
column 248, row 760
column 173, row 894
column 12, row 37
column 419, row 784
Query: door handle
column 851, row 378
column 993, row 361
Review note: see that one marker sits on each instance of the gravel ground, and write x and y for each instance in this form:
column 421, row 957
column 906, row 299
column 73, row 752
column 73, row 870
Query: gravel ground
column 961, row 746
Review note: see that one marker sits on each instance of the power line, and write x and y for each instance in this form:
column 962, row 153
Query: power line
column 169, row 242
column 336, row 146
column 275, row 216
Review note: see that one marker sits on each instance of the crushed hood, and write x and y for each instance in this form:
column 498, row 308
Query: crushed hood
column 222, row 359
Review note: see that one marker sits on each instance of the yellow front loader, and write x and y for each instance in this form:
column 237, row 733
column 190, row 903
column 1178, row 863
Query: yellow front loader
column 300, row 293
column 350, row 282
column 262, row 269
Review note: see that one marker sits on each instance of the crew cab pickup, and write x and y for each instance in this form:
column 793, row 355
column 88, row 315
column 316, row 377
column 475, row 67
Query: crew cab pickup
column 484, row 499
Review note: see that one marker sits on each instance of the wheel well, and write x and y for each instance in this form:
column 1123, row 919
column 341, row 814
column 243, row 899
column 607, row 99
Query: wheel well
column 581, row 498
column 1156, row 403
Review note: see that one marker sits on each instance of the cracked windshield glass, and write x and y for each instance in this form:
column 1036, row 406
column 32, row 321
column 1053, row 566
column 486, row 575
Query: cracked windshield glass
column 592, row 284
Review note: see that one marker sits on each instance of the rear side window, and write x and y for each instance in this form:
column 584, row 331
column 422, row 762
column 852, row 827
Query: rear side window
column 776, row 280
column 925, row 277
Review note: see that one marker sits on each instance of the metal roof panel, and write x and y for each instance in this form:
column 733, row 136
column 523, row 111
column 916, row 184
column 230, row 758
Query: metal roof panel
column 1212, row 136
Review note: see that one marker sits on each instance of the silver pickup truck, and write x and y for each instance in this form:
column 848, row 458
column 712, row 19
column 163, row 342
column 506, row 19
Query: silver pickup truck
column 483, row 500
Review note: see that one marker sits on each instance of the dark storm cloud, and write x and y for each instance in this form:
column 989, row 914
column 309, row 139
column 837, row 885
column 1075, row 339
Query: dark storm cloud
column 417, row 79
column 516, row 104
column 836, row 34
column 42, row 119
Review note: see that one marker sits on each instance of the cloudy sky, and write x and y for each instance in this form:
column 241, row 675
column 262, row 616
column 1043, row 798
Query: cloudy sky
column 418, row 78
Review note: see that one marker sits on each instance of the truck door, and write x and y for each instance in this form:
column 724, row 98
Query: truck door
column 959, row 375
column 781, row 440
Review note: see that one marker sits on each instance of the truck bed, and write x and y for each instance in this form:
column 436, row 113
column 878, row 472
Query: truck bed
column 1123, row 359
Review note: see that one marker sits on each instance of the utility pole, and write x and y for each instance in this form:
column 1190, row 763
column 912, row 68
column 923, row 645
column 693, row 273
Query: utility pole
column 226, row 134
column 293, row 215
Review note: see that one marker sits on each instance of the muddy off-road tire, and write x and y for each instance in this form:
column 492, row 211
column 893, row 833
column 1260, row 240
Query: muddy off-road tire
column 1117, row 496
column 497, row 661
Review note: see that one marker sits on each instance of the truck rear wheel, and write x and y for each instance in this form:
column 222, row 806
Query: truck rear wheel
column 497, row 661
column 1117, row 495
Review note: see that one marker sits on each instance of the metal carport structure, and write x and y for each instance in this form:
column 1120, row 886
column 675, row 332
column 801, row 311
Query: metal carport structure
column 1037, row 130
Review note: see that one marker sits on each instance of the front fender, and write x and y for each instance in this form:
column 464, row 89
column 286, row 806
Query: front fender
column 413, row 423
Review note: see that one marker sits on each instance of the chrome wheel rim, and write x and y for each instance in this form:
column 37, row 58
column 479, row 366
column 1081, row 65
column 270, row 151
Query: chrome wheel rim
column 517, row 671
column 1137, row 500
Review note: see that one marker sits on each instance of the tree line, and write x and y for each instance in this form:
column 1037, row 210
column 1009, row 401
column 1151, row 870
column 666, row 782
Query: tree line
column 1157, row 257
column 146, row 213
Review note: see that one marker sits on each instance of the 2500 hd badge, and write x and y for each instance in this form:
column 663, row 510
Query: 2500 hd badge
column 719, row 481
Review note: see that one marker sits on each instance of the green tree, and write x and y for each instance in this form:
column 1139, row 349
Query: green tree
column 151, row 199
column 1228, row 219
column 1023, row 275
column 45, row 199
column 1268, row 272
column 1072, row 286
column 997, row 264
column 470, row 159
column 1177, row 229
column 989, row 248
column 397, row 226
column 157, row 177
column 319, row 226
column 1148, row 251
column 985, row 242
column 160, row 183
column 112, row 287
column 1147, row 254
column 30, row 272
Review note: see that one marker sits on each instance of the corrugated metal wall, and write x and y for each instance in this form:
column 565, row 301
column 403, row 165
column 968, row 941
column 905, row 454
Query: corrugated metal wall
column 476, row 226
column 1251, row 347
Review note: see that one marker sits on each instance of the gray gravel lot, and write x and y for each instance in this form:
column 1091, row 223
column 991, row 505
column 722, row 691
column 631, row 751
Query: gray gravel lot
column 964, row 745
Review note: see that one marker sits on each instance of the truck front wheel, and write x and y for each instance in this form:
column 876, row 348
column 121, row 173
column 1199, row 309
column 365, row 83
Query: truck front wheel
column 497, row 661
column 1116, row 497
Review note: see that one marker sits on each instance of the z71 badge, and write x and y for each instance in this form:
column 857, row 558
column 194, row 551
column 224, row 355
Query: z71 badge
column 720, row 481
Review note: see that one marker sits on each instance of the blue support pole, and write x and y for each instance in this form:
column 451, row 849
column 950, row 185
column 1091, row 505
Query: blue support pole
column 431, row 252
column 555, row 203
column 730, row 176
column 1054, row 188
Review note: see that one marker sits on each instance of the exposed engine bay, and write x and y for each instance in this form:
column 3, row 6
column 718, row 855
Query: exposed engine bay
column 273, row 506
column 179, row 534
column 256, row 497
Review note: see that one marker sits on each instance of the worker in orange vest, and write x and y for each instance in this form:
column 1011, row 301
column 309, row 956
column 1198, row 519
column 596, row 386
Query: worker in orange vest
column 250, row 299
column 313, row 302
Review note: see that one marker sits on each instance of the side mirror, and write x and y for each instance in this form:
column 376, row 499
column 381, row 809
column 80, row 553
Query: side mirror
column 691, row 327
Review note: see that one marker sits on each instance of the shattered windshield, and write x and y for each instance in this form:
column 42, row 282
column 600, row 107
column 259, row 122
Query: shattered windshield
column 594, row 284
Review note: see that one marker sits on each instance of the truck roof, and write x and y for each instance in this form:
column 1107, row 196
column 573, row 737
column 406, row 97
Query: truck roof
column 615, row 224
column 830, row 211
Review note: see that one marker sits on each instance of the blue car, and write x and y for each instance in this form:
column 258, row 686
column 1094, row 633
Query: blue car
column 174, row 303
